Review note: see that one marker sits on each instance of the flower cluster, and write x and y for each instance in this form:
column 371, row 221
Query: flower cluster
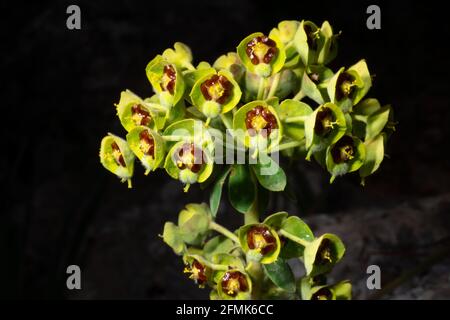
column 252, row 262
column 275, row 94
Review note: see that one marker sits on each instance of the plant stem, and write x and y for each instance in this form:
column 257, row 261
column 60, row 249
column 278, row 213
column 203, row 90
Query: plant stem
column 226, row 121
column 274, row 86
column 210, row 264
column 295, row 119
column 251, row 216
column 287, row 145
column 262, row 83
column 293, row 238
column 222, row 230
column 176, row 138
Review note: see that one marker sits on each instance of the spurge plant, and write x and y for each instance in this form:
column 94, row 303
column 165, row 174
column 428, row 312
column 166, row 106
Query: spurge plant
column 275, row 94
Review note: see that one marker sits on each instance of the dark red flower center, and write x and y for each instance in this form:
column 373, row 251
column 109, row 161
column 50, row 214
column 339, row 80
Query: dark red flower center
column 197, row 271
column 140, row 115
column 345, row 85
column 322, row 294
column 260, row 238
column 217, row 88
column 260, row 120
column 117, row 154
column 343, row 150
column 261, row 49
column 325, row 253
column 147, row 143
column 168, row 79
column 234, row 282
column 325, row 120
column 190, row 157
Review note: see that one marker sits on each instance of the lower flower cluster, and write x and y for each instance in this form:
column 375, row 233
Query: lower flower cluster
column 253, row 261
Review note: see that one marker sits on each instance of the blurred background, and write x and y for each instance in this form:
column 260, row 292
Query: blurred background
column 60, row 207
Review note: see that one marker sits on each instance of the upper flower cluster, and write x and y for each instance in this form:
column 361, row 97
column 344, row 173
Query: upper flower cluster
column 276, row 87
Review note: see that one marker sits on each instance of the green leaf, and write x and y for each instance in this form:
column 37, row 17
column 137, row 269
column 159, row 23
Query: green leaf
column 298, row 228
column 275, row 220
column 216, row 193
column 193, row 223
column 281, row 275
column 292, row 109
column 269, row 174
column 241, row 188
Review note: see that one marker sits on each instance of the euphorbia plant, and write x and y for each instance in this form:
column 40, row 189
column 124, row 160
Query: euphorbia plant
column 251, row 104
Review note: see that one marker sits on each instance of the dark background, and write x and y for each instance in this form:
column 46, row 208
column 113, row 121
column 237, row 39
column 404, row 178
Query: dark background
column 60, row 207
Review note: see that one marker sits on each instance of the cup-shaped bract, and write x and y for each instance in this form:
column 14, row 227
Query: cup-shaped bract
column 232, row 63
column 180, row 55
column 234, row 284
column 344, row 156
column 257, row 125
column 323, row 127
column 261, row 54
column 193, row 222
column 117, row 157
column 167, row 80
column 189, row 163
column 134, row 111
column 216, row 93
column 348, row 86
column 260, row 242
column 148, row 146
column 197, row 271
column 322, row 254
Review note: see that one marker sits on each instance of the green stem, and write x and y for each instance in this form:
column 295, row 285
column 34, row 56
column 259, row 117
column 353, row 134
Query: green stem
column 226, row 121
column 274, row 86
column 287, row 145
column 262, row 83
column 295, row 119
column 176, row 138
column 300, row 241
column 251, row 216
column 222, row 230
column 210, row 264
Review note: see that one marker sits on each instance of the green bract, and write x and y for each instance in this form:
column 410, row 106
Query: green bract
column 260, row 242
column 148, row 146
column 224, row 124
column 322, row 254
column 348, row 86
column 167, row 80
column 215, row 93
column 256, row 130
column 346, row 155
column 116, row 156
column 264, row 63
column 323, row 127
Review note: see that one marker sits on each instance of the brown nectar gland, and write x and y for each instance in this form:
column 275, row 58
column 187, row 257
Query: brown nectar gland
column 261, row 49
column 168, row 79
column 325, row 253
column 260, row 120
column 217, row 88
column 345, row 85
column 260, row 238
column 117, row 154
column 343, row 150
column 322, row 294
column 147, row 143
column 198, row 272
column 190, row 157
column 140, row 115
column 234, row 282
